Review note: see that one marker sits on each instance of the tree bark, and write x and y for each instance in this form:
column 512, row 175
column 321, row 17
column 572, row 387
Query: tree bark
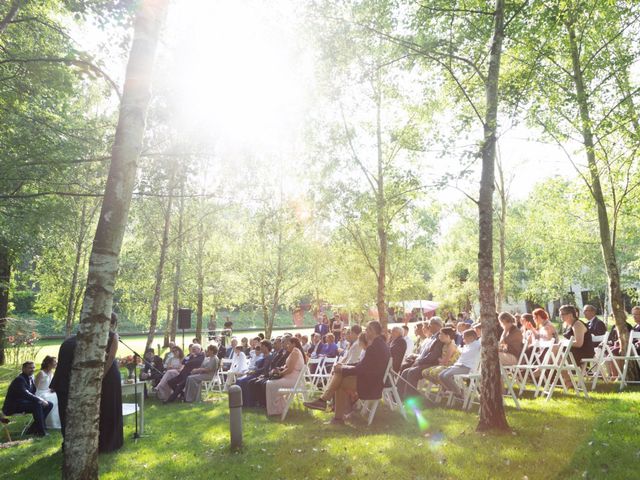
column 606, row 239
column 5, row 281
column 81, row 439
column 502, row 218
column 492, row 415
column 155, row 303
column 381, row 220
column 200, row 281
column 178, row 268
column 11, row 14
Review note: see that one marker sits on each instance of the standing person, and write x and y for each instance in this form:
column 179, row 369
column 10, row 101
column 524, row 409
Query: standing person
column 62, row 379
column 21, row 398
column 111, row 435
column 43, row 390
column 595, row 325
column 336, row 328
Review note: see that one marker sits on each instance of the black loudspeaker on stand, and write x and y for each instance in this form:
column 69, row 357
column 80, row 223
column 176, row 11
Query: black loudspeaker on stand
column 184, row 321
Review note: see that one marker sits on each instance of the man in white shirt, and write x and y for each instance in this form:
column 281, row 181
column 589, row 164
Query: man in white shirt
column 468, row 361
column 353, row 352
column 408, row 340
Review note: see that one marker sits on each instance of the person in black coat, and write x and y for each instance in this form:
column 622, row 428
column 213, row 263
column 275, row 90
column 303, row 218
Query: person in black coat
column 62, row 378
column 430, row 357
column 366, row 378
column 258, row 386
column 21, row 398
column 397, row 347
column 594, row 325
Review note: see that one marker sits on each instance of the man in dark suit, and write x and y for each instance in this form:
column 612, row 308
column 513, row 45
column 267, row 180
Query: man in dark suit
column 397, row 347
column 21, row 398
column 594, row 325
column 365, row 377
column 62, row 377
column 431, row 353
column 196, row 357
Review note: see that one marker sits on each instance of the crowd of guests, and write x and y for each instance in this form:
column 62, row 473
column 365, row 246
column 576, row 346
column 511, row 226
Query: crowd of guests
column 437, row 351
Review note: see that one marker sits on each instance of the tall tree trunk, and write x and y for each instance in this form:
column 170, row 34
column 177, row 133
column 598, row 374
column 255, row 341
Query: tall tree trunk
column 502, row 218
column 11, row 14
column 81, row 439
column 157, row 291
column 177, row 278
column 200, row 281
column 5, row 281
column 68, row 324
column 381, row 220
column 167, row 327
column 606, row 236
column 492, row 415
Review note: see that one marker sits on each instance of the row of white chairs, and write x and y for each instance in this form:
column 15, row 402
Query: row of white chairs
column 605, row 364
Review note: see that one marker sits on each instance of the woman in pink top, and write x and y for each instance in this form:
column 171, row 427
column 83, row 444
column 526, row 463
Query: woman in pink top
column 546, row 330
column 288, row 376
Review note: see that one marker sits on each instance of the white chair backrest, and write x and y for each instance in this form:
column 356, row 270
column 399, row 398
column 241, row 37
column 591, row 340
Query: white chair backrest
column 632, row 351
column 564, row 351
column 598, row 339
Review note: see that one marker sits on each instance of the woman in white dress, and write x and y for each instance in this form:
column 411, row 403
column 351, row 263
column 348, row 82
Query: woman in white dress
column 42, row 381
column 288, row 376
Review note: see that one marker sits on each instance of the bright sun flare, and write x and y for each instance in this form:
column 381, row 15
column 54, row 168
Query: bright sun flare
column 238, row 77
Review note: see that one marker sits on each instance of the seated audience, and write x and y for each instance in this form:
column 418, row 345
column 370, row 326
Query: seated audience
column 408, row 340
column 363, row 380
column 286, row 376
column 510, row 345
column 421, row 331
column 546, row 330
column 21, row 398
column 153, row 368
column 397, row 347
column 173, row 370
column 329, row 347
column 468, row 361
column 461, row 327
column 239, row 366
column 169, row 355
column 576, row 329
column 205, row 372
column 595, row 326
column 431, row 354
column 261, row 367
column 450, row 354
column 194, row 360
column 257, row 386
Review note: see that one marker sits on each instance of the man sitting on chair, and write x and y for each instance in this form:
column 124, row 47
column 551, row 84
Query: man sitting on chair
column 366, row 377
column 21, row 398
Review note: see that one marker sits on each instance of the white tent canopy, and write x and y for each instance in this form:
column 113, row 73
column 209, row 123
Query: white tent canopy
column 424, row 305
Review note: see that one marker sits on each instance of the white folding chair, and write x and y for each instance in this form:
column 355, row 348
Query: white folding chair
column 598, row 366
column 563, row 362
column 303, row 387
column 631, row 356
column 541, row 354
column 389, row 394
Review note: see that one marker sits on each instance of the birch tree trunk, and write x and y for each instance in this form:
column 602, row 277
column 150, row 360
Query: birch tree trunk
column 381, row 223
column 81, row 438
column 178, row 269
column 5, row 280
column 200, row 281
column 502, row 239
column 155, row 303
column 492, row 415
column 595, row 187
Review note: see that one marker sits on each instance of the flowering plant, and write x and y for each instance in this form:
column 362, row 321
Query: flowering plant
column 21, row 340
column 130, row 363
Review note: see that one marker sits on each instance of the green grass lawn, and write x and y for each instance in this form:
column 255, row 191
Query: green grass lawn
column 564, row 438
